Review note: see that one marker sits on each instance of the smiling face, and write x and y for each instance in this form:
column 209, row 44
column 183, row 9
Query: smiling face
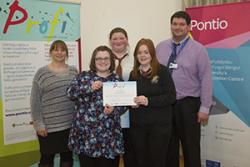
column 102, row 61
column 143, row 55
column 119, row 42
column 179, row 29
column 58, row 54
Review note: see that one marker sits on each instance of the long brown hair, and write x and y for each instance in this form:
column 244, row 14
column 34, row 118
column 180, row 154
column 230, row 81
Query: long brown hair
column 154, row 62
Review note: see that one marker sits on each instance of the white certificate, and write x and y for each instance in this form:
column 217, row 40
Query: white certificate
column 119, row 93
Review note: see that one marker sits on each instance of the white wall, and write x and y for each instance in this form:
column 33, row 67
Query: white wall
column 141, row 18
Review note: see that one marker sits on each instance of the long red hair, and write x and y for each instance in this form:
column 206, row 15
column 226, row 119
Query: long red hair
column 154, row 62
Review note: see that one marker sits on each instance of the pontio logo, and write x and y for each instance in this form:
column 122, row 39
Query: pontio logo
column 215, row 24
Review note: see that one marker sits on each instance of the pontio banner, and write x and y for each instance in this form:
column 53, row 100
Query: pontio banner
column 27, row 29
column 224, row 31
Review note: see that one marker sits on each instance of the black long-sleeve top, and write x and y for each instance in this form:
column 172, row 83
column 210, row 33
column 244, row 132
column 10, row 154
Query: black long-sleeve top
column 161, row 96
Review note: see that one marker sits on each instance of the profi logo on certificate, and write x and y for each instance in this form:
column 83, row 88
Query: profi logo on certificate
column 119, row 93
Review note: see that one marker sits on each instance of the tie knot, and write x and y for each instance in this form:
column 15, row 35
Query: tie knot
column 175, row 45
column 175, row 48
column 120, row 59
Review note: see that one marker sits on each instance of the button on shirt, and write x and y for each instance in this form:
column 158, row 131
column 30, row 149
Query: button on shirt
column 192, row 77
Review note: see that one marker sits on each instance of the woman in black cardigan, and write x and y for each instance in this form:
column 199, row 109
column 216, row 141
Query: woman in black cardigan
column 151, row 118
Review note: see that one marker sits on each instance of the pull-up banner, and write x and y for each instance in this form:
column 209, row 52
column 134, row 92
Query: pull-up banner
column 26, row 31
column 225, row 32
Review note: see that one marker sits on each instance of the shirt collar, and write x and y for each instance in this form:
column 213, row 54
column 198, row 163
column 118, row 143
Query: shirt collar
column 181, row 40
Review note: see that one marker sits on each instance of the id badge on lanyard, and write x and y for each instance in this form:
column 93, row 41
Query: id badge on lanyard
column 174, row 65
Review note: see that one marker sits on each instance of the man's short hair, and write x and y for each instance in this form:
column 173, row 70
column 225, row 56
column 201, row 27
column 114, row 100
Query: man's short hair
column 181, row 14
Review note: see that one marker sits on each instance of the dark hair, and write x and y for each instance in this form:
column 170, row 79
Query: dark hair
column 181, row 14
column 92, row 65
column 116, row 30
column 59, row 44
column 154, row 62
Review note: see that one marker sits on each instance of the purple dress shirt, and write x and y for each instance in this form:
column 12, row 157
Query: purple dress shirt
column 192, row 77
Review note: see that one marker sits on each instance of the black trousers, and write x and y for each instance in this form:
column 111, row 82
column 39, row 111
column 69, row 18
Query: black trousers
column 129, row 155
column 150, row 145
column 86, row 161
column 48, row 159
column 186, row 130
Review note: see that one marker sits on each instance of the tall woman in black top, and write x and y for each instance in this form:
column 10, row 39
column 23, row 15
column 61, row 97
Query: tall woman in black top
column 152, row 116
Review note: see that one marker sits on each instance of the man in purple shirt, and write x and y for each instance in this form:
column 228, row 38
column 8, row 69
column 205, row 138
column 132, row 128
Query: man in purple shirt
column 188, row 62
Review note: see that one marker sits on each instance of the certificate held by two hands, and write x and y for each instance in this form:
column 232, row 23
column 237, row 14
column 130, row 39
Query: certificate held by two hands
column 119, row 93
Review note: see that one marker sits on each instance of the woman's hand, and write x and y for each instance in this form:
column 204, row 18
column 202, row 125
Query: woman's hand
column 108, row 109
column 96, row 85
column 42, row 132
column 135, row 106
column 141, row 100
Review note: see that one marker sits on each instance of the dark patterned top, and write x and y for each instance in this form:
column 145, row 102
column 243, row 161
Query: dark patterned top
column 93, row 132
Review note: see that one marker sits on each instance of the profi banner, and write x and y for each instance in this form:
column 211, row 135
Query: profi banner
column 27, row 28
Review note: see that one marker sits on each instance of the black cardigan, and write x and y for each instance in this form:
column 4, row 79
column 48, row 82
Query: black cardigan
column 161, row 97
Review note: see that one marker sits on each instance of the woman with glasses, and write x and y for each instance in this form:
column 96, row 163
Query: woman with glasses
column 96, row 134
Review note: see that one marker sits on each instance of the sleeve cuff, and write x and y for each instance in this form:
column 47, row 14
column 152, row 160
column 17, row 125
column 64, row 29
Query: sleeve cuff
column 38, row 125
column 204, row 110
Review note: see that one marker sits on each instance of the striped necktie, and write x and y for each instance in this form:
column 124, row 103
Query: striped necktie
column 172, row 57
column 119, row 67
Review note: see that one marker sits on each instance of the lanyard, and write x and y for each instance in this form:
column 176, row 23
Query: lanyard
column 181, row 46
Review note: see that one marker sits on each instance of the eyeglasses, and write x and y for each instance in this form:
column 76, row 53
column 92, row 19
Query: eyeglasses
column 99, row 59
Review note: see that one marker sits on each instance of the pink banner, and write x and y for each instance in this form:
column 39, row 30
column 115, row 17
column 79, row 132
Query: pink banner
column 213, row 24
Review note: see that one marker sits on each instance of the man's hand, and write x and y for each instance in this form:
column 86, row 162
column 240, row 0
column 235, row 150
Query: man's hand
column 202, row 118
